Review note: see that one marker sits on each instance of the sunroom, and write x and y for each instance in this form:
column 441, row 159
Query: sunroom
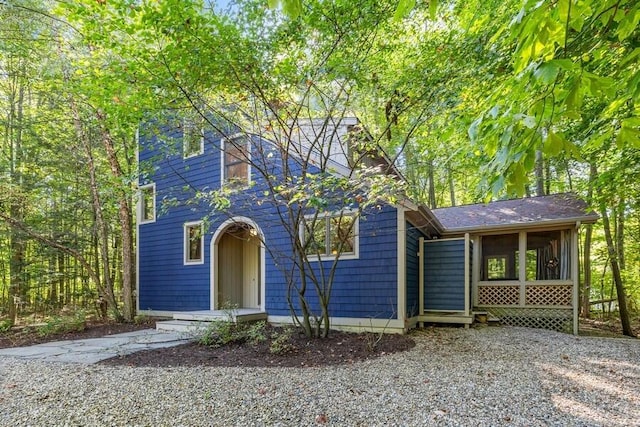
column 523, row 258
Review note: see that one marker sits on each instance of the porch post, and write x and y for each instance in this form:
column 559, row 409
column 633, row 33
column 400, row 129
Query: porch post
column 575, row 275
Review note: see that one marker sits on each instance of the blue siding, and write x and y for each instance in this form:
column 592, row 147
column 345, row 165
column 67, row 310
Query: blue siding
column 444, row 275
column 412, row 269
column 362, row 288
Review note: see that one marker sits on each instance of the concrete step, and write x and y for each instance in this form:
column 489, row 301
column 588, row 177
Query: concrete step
column 239, row 315
column 187, row 327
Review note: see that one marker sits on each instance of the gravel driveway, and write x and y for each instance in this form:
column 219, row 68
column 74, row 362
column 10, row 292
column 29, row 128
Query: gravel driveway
column 489, row 376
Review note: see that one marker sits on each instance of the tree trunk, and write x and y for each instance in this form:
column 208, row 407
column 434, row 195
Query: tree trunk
column 105, row 286
column 125, row 216
column 452, row 191
column 539, row 170
column 617, row 277
column 432, row 186
column 17, row 244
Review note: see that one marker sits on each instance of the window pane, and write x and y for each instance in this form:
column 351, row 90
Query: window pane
column 496, row 268
column 316, row 237
column 236, row 168
column 342, row 234
column 192, row 137
column 195, row 243
column 544, row 255
column 147, row 204
column 503, row 247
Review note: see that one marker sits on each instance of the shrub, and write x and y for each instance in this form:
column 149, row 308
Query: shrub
column 281, row 341
column 5, row 325
column 63, row 324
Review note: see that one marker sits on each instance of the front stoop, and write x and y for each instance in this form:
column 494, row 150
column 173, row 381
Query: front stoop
column 193, row 322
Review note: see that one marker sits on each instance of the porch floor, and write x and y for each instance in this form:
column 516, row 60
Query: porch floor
column 192, row 321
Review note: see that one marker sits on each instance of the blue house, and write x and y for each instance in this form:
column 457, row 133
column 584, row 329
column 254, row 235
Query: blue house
column 212, row 234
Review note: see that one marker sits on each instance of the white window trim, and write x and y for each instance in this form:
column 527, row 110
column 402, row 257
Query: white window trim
column 141, row 189
column 185, row 243
column 186, row 155
column 223, row 144
column 356, row 236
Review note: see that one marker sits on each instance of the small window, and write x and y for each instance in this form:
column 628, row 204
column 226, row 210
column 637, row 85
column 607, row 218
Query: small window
column 147, row 204
column 193, row 243
column 235, row 162
column 192, row 137
column 496, row 267
column 330, row 235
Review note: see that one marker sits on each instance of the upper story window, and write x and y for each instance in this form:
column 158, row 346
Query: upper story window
column 193, row 243
column 192, row 137
column 331, row 235
column 147, row 204
column 236, row 171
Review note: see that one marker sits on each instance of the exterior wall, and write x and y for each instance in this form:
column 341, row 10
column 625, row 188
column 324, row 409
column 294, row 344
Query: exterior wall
column 444, row 275
column 412, row 268
column 362, row 288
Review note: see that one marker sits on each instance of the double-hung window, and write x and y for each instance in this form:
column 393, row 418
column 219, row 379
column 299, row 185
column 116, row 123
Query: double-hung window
column 147, row 204
column 192, row 137
column 193, row 243
column 235, row 162
column 331, row 235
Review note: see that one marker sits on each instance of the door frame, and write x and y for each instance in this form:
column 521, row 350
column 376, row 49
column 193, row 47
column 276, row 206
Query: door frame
column 220, row 231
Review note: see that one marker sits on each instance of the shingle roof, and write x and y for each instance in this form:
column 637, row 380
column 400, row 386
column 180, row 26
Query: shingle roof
column 556, row 208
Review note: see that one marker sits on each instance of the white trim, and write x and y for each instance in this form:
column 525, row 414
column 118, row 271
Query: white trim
column 184, row 146
column 402, row 265
column 522, row 266
column 352, row 324
column 223, row 143
column 341, row 256
column 213, row 279
column 185, row 243
column 477, row 245
column 140, row 204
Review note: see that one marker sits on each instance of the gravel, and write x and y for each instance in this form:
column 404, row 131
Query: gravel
column 485, row 376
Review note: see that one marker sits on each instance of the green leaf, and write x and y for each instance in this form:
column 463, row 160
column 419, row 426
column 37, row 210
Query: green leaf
column 403, row 9
column 433, row 8
column 629, row 134
column 628, row 24
column 547, row 72
column 554, row 144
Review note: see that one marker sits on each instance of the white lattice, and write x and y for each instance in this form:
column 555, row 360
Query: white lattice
column 549, row 295
column 498, row 295
column 556, row 319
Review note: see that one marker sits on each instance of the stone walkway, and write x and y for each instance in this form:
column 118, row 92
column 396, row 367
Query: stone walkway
column 93, row 350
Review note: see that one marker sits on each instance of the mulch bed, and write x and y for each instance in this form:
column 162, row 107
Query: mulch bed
column 339, row 348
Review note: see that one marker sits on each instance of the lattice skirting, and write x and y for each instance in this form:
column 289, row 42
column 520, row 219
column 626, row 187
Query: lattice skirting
column 498, row 295
column 556, row 319
column 549, row 295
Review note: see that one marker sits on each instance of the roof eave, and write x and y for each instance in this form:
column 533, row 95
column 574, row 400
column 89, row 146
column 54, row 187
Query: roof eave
column 518, row 226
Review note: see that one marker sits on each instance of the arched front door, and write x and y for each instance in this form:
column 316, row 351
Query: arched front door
column 237, row 271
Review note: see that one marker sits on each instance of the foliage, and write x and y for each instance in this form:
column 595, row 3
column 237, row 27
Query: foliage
column 62, row 324
column 281, row 341
column 6, row 325
column 223, row 332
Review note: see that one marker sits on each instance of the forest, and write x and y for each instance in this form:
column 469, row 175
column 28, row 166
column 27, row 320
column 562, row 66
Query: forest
column 473, row 101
